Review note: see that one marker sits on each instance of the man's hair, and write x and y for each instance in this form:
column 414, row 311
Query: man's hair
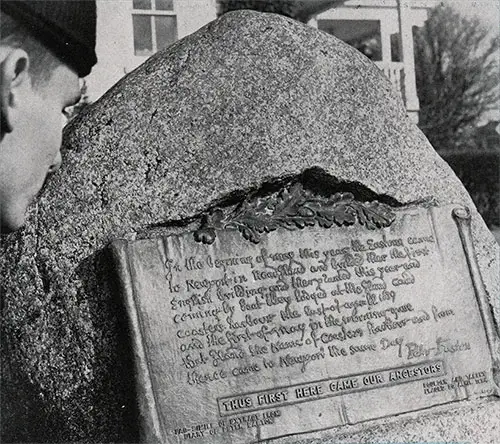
column 42, row 60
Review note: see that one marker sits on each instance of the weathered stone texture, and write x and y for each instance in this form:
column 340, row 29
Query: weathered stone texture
column 249, row 98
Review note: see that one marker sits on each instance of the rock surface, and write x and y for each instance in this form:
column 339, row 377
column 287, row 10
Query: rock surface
column 250, row 98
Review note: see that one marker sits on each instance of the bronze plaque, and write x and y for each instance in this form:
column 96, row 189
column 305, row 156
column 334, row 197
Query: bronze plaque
column 301, row 330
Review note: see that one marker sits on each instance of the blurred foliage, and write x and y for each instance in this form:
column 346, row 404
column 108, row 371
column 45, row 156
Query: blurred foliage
column 370, row 46
column 457, row 74
column 479, row 172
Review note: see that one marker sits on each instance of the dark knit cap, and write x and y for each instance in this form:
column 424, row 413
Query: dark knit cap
column 65, row 27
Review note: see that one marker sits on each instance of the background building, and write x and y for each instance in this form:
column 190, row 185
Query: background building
column 130, row 31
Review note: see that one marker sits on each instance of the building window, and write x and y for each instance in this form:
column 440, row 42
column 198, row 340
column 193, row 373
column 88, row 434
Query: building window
column 155, row 25
column 395, row 45
column 364, row 35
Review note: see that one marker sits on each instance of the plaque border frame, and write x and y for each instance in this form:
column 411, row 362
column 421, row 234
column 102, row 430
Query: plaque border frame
column 463, row 219
column 152, row 430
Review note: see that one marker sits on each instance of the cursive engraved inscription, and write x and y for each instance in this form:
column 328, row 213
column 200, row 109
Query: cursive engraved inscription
column 299, row 308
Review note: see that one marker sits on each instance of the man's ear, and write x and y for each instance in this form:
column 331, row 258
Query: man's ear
column 13, row 77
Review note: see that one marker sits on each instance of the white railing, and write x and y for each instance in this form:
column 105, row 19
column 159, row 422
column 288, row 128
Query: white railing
column 394, row 72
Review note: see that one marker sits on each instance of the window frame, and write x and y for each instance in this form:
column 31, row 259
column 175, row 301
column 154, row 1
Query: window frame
column 152, row 13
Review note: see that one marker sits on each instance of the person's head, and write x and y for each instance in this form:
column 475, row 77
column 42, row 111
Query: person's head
column 45, row 46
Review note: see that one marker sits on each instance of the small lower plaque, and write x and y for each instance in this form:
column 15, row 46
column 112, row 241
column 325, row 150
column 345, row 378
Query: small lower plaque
column 240, row 342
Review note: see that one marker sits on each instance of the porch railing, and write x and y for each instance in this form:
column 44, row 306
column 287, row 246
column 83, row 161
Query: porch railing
column 394, row 72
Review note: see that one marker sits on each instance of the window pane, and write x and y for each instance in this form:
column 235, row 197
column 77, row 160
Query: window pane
column 364, row 35
column 166, row 31
column 143, row 38
column 165, row 5
column 395, row 55
column 142, row 4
